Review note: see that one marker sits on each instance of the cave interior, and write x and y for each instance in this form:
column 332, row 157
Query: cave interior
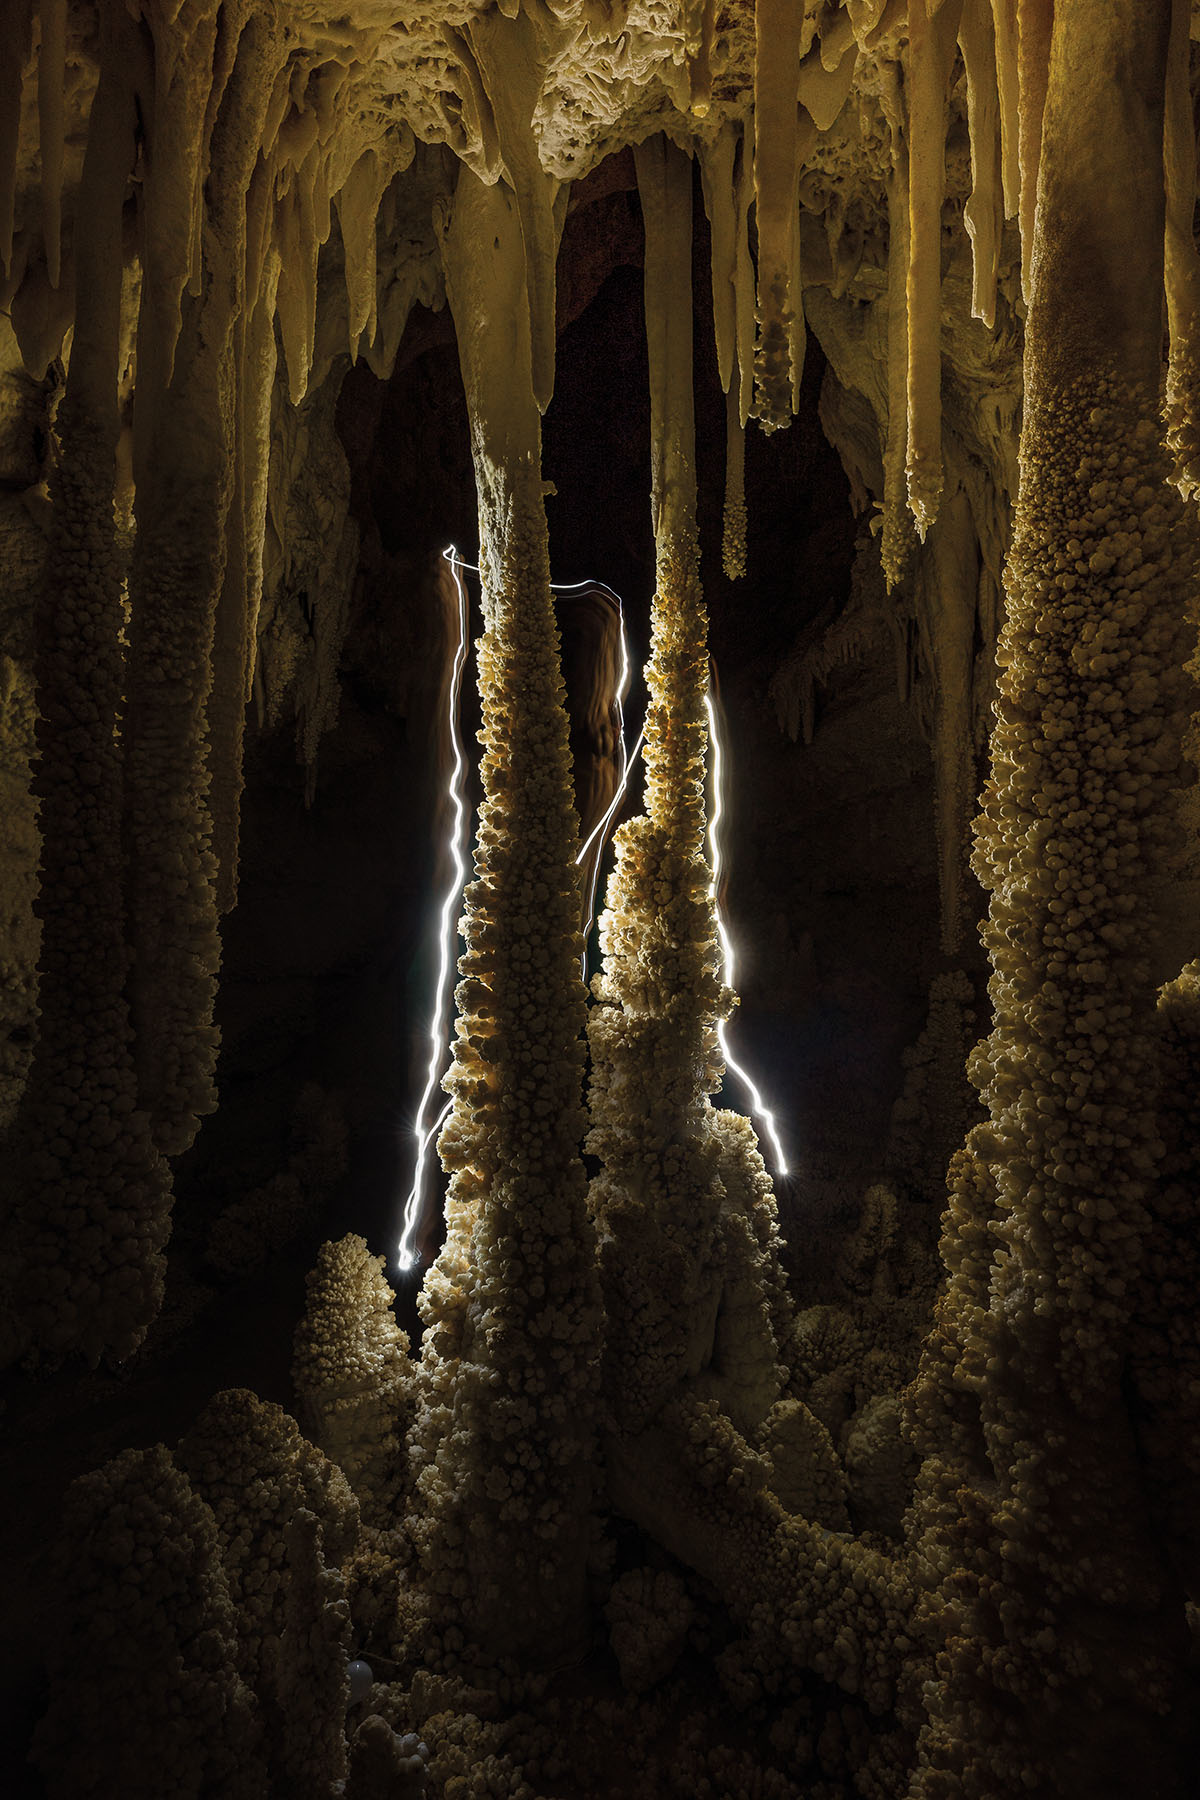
column 600, row 866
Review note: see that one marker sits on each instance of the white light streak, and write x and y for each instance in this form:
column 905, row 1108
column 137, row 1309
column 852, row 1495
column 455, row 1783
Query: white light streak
column 761, row 1113
column 599, row 832
column 406, row 1256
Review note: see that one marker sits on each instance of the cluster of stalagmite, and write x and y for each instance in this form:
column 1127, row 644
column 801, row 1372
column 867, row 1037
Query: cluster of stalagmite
column 231, row 154
column 209, row 1580
column 929, row 1558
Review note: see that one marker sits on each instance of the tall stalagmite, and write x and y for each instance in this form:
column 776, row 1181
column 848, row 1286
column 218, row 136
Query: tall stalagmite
column 653, row 1031
column 90, row 1192
column 503, row 1442
column 1063, row 1635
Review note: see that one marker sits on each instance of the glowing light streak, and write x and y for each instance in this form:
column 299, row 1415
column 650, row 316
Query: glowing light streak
column 759, row 1110
column 599, row 832
column 406, row 1255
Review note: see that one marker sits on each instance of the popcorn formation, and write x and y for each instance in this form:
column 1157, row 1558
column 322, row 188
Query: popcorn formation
column 920, row 1559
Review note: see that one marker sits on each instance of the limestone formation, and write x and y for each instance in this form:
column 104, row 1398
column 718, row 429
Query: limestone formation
column 911, row 1526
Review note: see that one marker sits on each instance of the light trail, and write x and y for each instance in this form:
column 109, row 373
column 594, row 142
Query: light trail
column 599, row 832
column 759, row 1110
column 406, row 1254
column 407, row 1257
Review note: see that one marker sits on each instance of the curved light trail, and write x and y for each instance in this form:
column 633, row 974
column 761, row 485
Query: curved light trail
column 408, row 1257
column 760, row 1112
column 406, row 1254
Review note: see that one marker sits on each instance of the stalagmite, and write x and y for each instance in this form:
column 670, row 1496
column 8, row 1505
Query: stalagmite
column 781, row 141
column 698, row 1313
column 1022, row 1403
column 504, row 1437
column 352, row 1373
column 653, row 1031
column 145, row 1609
column 83, row 1170
column 733, row 539
column 926, row 1531
column 932, row 35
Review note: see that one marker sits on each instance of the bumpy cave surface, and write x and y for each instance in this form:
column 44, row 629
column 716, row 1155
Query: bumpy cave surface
column 759, row 1355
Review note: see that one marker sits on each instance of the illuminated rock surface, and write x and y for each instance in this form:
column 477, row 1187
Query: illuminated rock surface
column 832, row 336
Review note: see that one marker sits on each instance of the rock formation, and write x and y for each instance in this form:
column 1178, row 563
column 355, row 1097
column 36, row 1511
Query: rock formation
column 660, row 1503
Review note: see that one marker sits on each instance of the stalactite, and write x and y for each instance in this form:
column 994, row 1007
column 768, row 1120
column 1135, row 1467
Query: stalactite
column 946, row 585
column 185, row 484
column 1022, row 1403
column 252, row 378
column 511, row 59
column 92, row 1196
column 1182, row 260
column 504, row 1438
column 897, row 540
column 184, row 42
column 52, row 57
column 299, row 249
column 780, row 145
column 720, row 204
column 1035, row 20
column 743, row 272
column 699, row 25
column 1004, row 27
column 932, row 36
column 983, row 214
column 15, row 25
column 358, row 212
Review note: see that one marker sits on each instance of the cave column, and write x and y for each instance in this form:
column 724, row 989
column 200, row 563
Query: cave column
column 653, row 1033
column 1061, row 1634
column 82, row 1268
column 186, row 450
column 505, row 1440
